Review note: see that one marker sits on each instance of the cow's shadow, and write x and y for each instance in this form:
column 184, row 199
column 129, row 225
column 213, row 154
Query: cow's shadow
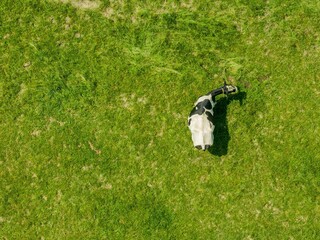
column 221, row 131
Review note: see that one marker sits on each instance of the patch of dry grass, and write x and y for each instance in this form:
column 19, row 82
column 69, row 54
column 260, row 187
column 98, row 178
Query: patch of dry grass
column 82, row 4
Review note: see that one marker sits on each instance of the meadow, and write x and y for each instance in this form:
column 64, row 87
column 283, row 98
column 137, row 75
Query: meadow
column 94, row 100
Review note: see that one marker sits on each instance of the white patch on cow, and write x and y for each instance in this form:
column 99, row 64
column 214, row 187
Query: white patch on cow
column 205, row 97
column 202, row 130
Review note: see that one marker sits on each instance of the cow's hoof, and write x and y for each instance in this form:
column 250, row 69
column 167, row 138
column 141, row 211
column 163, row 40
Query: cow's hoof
column 198, row 147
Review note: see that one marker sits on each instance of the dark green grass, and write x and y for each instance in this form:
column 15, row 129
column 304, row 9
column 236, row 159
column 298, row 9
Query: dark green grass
column 93, row 120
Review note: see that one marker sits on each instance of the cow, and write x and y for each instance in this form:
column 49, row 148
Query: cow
column 200, row 120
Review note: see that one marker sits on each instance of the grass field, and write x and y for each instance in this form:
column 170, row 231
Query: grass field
column 94, row 100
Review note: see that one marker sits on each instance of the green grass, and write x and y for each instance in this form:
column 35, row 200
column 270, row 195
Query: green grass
column 94, row 102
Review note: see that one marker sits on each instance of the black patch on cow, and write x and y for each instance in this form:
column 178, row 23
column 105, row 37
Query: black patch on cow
column 197, row 110
column 207, row 147
column 209, row 116
column 208, row 104
column 201, row 107
column 189, row 121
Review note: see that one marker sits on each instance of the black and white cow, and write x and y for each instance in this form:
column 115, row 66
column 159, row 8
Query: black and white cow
column 200, row 120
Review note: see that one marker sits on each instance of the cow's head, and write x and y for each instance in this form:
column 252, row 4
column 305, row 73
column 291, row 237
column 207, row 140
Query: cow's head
column 227, row 89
